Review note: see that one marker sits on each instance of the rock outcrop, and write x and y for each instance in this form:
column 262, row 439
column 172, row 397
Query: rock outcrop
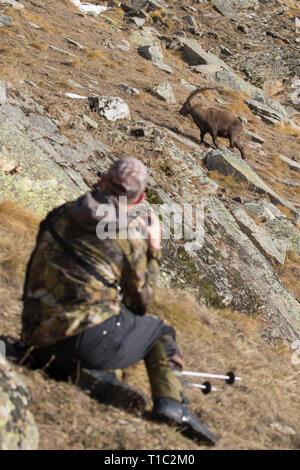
column 17, row 427
column 228, row 163
column 110, row 107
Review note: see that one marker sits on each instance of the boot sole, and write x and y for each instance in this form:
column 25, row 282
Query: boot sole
column 205, row 436
column 117, row 394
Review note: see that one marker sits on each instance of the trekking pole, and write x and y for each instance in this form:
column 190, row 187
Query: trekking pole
column 230, row 378
column 205, row 387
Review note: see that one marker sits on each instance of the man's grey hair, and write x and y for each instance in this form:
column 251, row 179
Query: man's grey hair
column 127, row 177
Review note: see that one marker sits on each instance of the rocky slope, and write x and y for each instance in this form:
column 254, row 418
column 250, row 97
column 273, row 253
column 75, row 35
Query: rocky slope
column 56, row 131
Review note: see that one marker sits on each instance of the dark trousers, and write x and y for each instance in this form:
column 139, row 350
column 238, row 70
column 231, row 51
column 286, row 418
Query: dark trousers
column 117, row 343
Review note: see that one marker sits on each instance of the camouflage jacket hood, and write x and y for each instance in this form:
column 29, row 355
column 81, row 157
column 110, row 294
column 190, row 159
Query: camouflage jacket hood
column 93, row 206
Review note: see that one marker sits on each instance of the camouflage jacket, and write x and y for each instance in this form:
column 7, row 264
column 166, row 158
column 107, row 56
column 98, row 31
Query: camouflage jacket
column 61, row 298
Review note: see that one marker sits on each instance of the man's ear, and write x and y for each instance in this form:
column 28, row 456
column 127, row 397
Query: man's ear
column 101, row 182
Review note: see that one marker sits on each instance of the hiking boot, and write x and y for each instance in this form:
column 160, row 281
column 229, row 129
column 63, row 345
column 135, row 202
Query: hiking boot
column 106, row 388
column 176, row 414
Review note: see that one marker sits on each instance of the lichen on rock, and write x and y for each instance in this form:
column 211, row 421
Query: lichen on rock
column 17, row 426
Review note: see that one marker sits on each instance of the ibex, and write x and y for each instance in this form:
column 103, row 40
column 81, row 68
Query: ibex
column 216, row 122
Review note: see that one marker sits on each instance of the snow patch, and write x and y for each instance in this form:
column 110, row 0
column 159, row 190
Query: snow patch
column 88, row 7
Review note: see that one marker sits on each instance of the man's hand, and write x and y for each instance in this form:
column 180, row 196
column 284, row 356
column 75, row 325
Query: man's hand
column 153, row 230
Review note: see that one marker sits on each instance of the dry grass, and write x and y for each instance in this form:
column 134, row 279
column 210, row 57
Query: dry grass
column 239, row 107
column 11, row 52
column 40, row 46
column 289, row 273
column 101, row 57
column 17, row 233
column 18, row 229
column 45, row 25
column 288, row 129
column 235, row 95
column 233, row 186
column 287, row 212
column 145, row 68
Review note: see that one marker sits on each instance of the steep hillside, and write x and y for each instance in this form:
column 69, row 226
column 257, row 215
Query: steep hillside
column 259, row 413
column 235, row 295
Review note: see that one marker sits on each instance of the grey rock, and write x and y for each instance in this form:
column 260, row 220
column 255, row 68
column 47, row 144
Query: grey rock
column 140, row 129
column 225, row 51
column 2, row 93
column 208, row 70
column 292, row 184
column 292, row 164
column 243, row 28
column 89, row 122
column 226, row 9
column 283, row 229
column 175, row 44
column 274, row 250
column 73, row 83
column 189, row 19
column 40, row 127
column 17, row 427
column 195, row 31
column 11, row 4
column 266, row 112
column 269, row 109
column 228, row 163
column 188, row 85
column 153, row 5
column 231, row 8
column 108, row 43
column 5, row 20
column 193, row 173
column 164, row 67
column 132, row 5
column 255, row 137
column 74, row 96
column 153, row 53
column 194, row 54
column 139, row 22
column 164, row 92
column 263, row 209
column 187, row 142
column 145, row 37
column 228, row 78
column 33, row 25
column 124, row 46
column 74, row 43
column 62, row 51
column 130, row 90
column 283, row 428
column 44, row 156
column 110, row 107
